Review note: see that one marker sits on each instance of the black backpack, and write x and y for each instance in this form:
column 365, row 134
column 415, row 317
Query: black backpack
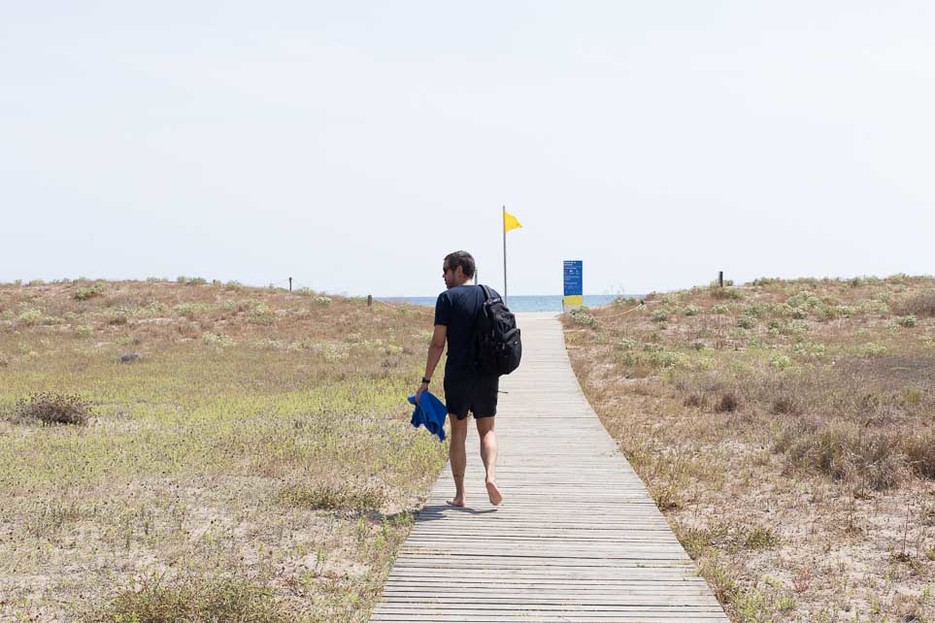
column 498, row 348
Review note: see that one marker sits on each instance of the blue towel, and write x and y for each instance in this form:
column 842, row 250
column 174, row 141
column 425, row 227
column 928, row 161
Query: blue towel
column 430, row 412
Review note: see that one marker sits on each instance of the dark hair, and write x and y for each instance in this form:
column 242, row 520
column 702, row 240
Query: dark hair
column 463, row 259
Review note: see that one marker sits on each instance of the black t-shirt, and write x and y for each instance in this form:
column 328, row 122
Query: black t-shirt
column 457, row 308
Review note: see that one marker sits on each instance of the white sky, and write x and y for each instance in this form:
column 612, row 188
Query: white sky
column 352, row 145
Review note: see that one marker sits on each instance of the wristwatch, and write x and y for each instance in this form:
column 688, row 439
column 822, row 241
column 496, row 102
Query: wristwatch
column 426, row 380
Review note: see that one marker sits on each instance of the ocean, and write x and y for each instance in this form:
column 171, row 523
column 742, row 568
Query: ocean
column 522, row 303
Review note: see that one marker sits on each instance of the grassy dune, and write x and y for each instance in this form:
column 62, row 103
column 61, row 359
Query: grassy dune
column 786, row 429
column 247, row 455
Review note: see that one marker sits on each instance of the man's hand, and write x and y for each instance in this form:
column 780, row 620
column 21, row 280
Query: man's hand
column 422, row 389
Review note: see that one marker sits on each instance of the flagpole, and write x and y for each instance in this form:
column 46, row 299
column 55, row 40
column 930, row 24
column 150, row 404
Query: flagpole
column 503, row 227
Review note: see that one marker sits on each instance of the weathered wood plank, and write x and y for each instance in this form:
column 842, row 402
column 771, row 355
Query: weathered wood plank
column 577, row 538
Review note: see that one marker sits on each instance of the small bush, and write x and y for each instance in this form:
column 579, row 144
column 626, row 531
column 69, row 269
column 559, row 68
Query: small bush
column 765, row 281
column 728, row 403
column 869, row 458
column 746, row 322
column 726, row 293
column 786, row 405
column 627, row 343
column 83, row 294
column 761, row 538
column 201, row 601
column 919, row 305
column 580, row 315
column 324, row 497
column 871, row 349
column 694, row 399
column 217, row 339
column 691, row 310
column 48, row 409
column 920, row 450
column 190, row 310
column 811, row 350
column 907, row 321
column 262, row 315
column 118, row 318
column 31, row 316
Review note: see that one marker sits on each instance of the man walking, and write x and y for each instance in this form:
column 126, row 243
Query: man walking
column 466, row 389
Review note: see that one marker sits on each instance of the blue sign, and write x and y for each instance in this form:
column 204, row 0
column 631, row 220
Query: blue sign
column 573, row 278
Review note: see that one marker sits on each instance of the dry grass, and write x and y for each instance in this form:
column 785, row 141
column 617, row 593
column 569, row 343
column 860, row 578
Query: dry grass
column 246, row 452
column 49, row 408
column 785, row 427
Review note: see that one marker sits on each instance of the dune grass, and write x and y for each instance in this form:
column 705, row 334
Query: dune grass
column 786, row 429
column 244, row 454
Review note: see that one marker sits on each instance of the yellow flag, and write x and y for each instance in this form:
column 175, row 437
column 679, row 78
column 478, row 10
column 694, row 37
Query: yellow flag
column 510, row 221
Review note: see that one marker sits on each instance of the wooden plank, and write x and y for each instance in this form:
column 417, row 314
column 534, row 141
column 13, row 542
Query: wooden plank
column 577, row 537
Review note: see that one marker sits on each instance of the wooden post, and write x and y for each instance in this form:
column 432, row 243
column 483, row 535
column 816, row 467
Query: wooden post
column 369, row 300
column 290, row 284
column 720, row 279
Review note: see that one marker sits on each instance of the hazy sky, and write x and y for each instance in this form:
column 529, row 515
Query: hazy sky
column 351, row 145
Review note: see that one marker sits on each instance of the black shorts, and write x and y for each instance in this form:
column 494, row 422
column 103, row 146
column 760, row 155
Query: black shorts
column 465, row 393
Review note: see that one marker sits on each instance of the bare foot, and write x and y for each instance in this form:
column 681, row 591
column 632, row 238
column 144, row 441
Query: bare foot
column 456, row 502
column 494, row 493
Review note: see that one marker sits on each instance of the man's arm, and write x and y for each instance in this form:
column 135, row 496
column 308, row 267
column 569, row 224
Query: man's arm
column 436, row 348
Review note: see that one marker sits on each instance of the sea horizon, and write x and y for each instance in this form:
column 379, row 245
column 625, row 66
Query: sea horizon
column 523, row 302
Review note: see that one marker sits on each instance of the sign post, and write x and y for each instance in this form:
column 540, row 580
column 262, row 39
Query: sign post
column 574, row 292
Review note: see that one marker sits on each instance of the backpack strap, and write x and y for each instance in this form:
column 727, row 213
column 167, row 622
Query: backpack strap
column 487, row 294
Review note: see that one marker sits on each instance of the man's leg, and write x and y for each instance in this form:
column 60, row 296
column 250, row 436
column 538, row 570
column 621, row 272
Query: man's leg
column 457, row 456
column 488, row 453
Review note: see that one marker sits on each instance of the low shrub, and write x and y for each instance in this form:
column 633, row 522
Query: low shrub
column 31, row 316
column 83, row 294
column 725, row 293
column 907, row 321
column 217, row 339
column 225, row 599
column 920, row 451
column 761, row 538
column 326, row 497
column 919, row 305
column 746, row 322
column 48, row 408
column 728, row 403
column 262, row 315
column 845, row 451
column 580, row 315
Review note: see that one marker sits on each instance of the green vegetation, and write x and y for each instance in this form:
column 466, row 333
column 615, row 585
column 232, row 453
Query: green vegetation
column 235, row 454
column 802, row 408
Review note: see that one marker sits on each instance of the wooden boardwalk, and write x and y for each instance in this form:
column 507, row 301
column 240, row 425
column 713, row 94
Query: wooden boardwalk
column 577, row 537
